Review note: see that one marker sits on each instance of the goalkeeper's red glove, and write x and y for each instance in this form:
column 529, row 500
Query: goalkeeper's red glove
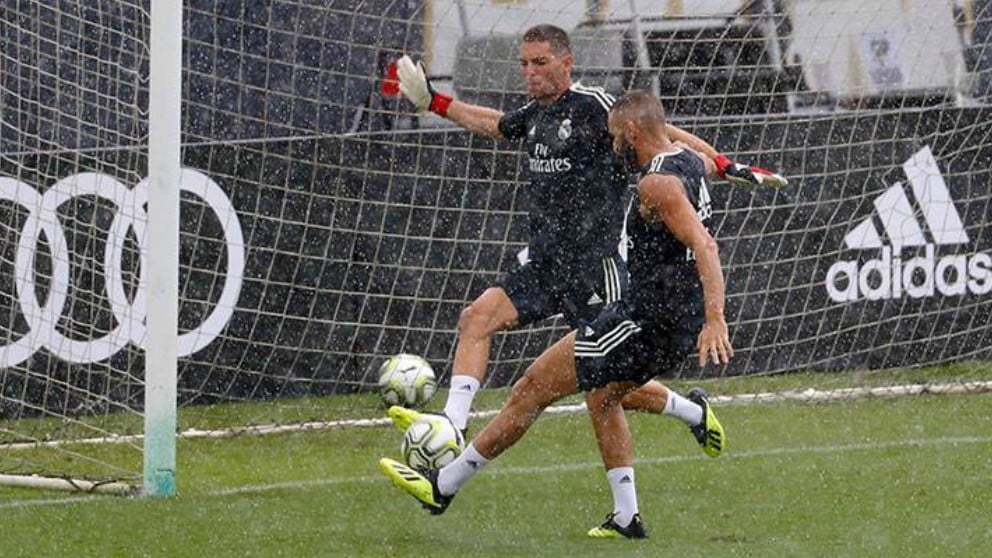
column 418, row 89
column 745, row 175
column 390, row 86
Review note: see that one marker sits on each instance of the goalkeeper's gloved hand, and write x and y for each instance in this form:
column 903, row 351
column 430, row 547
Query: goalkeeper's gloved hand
column 418, row 89
column 744, row 175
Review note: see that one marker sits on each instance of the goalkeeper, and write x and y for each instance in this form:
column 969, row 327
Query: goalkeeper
column 676, row 297
column 577, row 187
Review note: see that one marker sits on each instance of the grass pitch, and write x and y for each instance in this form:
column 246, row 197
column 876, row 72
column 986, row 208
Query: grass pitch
column 879, row 477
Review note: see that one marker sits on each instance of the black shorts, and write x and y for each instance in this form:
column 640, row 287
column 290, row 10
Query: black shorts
column 540, row 289
column 616, row 347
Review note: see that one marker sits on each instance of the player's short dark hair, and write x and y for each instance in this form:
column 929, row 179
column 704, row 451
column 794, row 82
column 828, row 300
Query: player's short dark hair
column 641, row 106
column 547, row 33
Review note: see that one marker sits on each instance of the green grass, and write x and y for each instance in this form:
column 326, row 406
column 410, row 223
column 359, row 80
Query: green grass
column 900, row 477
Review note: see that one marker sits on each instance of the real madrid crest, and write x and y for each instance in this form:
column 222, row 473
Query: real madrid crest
column 565, row 130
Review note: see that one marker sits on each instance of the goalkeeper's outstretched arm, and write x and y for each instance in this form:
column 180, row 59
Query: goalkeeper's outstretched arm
column 735, row 173
column 475, row 118
column 694, row 142
column 418, row 89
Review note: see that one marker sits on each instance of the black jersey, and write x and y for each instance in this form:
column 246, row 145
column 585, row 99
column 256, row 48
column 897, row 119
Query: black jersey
column 576, row 182
column 664, row 282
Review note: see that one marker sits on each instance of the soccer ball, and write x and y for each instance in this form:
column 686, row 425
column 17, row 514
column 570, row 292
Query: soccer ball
column 431, row 442
column 406, row 380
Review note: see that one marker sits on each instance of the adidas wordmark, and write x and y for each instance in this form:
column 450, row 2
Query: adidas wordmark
column 889, row 276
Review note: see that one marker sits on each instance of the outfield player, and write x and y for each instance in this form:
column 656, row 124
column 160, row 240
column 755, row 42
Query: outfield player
column 675, row 304
column 577, row 185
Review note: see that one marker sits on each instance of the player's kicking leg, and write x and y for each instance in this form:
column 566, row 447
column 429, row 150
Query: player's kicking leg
column 422, row 487
column 550, row 378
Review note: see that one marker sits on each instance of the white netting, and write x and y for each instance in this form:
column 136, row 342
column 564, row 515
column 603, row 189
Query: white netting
column 325, row 227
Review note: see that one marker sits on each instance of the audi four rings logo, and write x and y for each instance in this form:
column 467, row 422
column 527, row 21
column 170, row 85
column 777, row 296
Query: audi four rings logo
column 42, row 312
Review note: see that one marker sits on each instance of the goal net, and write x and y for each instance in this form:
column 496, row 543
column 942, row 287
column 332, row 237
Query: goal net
column 324, row 226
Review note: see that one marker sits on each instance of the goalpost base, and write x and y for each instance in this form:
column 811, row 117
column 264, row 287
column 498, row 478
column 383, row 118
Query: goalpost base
column 68, row 484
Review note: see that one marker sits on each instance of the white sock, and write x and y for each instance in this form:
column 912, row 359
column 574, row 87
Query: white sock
column 453, row 475
column 460, row 397
column 679, row 406
column 621, row 481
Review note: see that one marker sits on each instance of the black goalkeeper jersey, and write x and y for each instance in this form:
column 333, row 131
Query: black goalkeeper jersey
column 664, row 281
column 576, row 182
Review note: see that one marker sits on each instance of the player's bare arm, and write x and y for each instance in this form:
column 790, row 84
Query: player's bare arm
column 694, row 142
column 662, row 198
column 475, row 118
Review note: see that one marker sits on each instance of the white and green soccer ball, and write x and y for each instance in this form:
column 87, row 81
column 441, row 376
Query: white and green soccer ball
column 406, row 380
column 431, row 442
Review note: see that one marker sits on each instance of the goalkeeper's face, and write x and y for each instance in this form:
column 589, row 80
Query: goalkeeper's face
column 546, row 74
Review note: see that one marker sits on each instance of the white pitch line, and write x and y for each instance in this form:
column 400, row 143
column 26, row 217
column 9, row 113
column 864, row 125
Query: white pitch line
column 544, row 469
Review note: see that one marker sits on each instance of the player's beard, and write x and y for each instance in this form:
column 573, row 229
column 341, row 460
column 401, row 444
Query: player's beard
column 628, row 156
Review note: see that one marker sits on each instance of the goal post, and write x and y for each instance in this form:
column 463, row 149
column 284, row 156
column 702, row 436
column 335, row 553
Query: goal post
column 162, row 257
